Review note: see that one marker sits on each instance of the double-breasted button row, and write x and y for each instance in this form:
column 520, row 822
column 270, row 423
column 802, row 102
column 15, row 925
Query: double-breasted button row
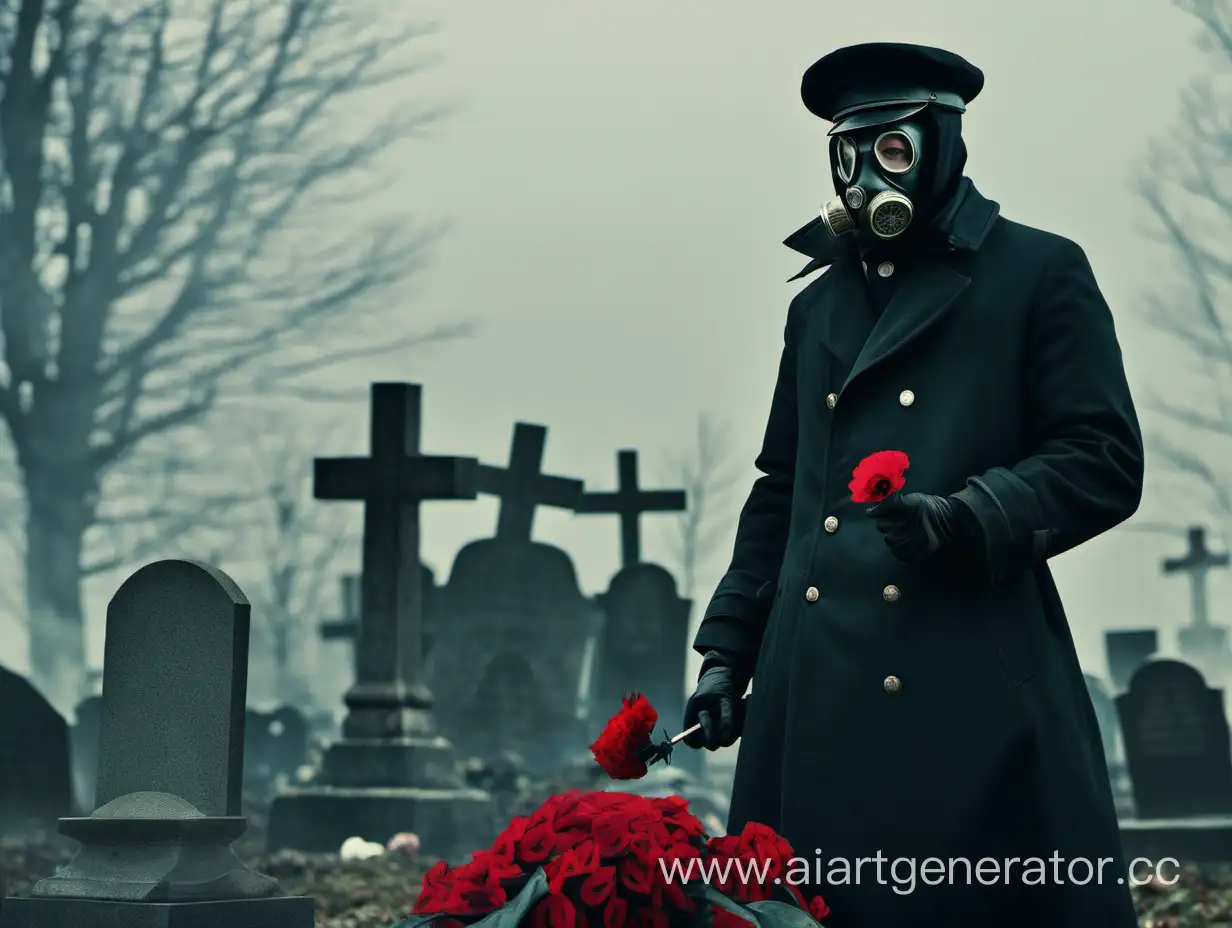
column 906, row 398
column 831, row 524
column 890, row 594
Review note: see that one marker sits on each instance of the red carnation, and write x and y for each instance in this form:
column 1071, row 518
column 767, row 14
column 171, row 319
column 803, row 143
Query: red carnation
column 877, row 476
column 615, row 750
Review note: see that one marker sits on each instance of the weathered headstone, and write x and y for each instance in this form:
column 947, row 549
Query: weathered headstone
column 275, row 748
column 392, row 770
column 35, row 771
column 644, row 645
column 1106, row 715
column 508, row 661
column 157, row 850
column 1202, row 644
column 83, row 741
column 1176, row 742
column 1127, row 649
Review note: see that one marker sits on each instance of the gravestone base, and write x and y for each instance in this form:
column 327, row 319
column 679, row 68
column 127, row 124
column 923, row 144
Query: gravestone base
column 1188, row 840
column 280, row 912
column 366, row 762
column 450, row 823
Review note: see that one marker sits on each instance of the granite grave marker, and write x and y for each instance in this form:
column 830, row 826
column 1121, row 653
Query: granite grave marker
column 156, row 853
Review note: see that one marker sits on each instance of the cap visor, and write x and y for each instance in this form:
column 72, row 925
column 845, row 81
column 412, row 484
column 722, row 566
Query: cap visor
column 875, row 116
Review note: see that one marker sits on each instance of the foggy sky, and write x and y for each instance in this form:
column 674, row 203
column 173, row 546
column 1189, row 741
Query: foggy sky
column 621, row 175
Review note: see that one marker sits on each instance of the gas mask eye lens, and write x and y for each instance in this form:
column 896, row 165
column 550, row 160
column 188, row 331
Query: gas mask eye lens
column 895, row 152
column 845, row 162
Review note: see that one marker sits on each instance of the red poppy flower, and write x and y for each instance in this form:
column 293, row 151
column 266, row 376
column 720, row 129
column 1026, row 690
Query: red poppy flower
column 598, row 886
column 470, row 898
column 616, row 913
column 877, row 476
column 538, row 842
column 556, row 912
column 635, row 876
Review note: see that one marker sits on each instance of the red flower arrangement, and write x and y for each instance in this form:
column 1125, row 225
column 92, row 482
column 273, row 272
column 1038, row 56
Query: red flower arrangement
column 611, row 860
column 878, row 475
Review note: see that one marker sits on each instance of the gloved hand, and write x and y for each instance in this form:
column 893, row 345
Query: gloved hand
column 919, row 526
column 715, row 703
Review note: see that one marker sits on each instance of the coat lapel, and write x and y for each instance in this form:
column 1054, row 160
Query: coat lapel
column 847, row 324
column 922, row 299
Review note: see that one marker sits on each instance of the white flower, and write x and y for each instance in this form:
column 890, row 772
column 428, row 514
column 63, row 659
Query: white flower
column 359, row 849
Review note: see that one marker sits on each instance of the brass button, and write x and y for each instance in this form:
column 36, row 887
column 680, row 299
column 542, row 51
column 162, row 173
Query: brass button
column 906, row 398
column 832, row 400
column 885, row 269
column 892, row 684
column 812, row 594
column 890, row 594
column 831, row 524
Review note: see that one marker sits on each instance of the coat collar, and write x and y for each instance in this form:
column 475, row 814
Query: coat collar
column 965, row 224
column 850, row 330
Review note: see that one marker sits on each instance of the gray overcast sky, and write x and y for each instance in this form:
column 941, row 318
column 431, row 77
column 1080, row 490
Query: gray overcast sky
column 621, row 176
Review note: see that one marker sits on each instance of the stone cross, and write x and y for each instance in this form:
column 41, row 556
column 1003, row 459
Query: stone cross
column 391, row 768
column 1197, row 562
column 522, row 486
column 629, row 502
column 391, row 483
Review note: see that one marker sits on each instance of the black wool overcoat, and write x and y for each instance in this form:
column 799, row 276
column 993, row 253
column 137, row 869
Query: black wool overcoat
column 930, row 717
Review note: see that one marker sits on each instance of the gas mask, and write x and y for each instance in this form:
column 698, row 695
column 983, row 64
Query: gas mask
column 878, row 177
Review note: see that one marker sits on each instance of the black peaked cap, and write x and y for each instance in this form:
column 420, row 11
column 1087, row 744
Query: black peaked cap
column 894, row 79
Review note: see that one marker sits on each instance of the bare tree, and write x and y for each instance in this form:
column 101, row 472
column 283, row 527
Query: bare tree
column 1186, row 185
column 295, row 543
column 174, row 181
column 707, row 473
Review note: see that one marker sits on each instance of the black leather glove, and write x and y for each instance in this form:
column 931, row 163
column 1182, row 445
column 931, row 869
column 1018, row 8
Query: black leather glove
column 918, row 526
column 715, row 704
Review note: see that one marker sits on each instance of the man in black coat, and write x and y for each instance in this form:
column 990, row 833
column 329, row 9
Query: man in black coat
column 917, row 701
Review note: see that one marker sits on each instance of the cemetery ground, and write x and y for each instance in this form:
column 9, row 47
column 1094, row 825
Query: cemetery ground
column 377, row 892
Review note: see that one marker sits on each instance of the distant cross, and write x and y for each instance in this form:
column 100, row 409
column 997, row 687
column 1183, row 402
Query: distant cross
column 522, row 486
column 345, row 628
column 391, row 484
column 629, row 502
column 1197, row 562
